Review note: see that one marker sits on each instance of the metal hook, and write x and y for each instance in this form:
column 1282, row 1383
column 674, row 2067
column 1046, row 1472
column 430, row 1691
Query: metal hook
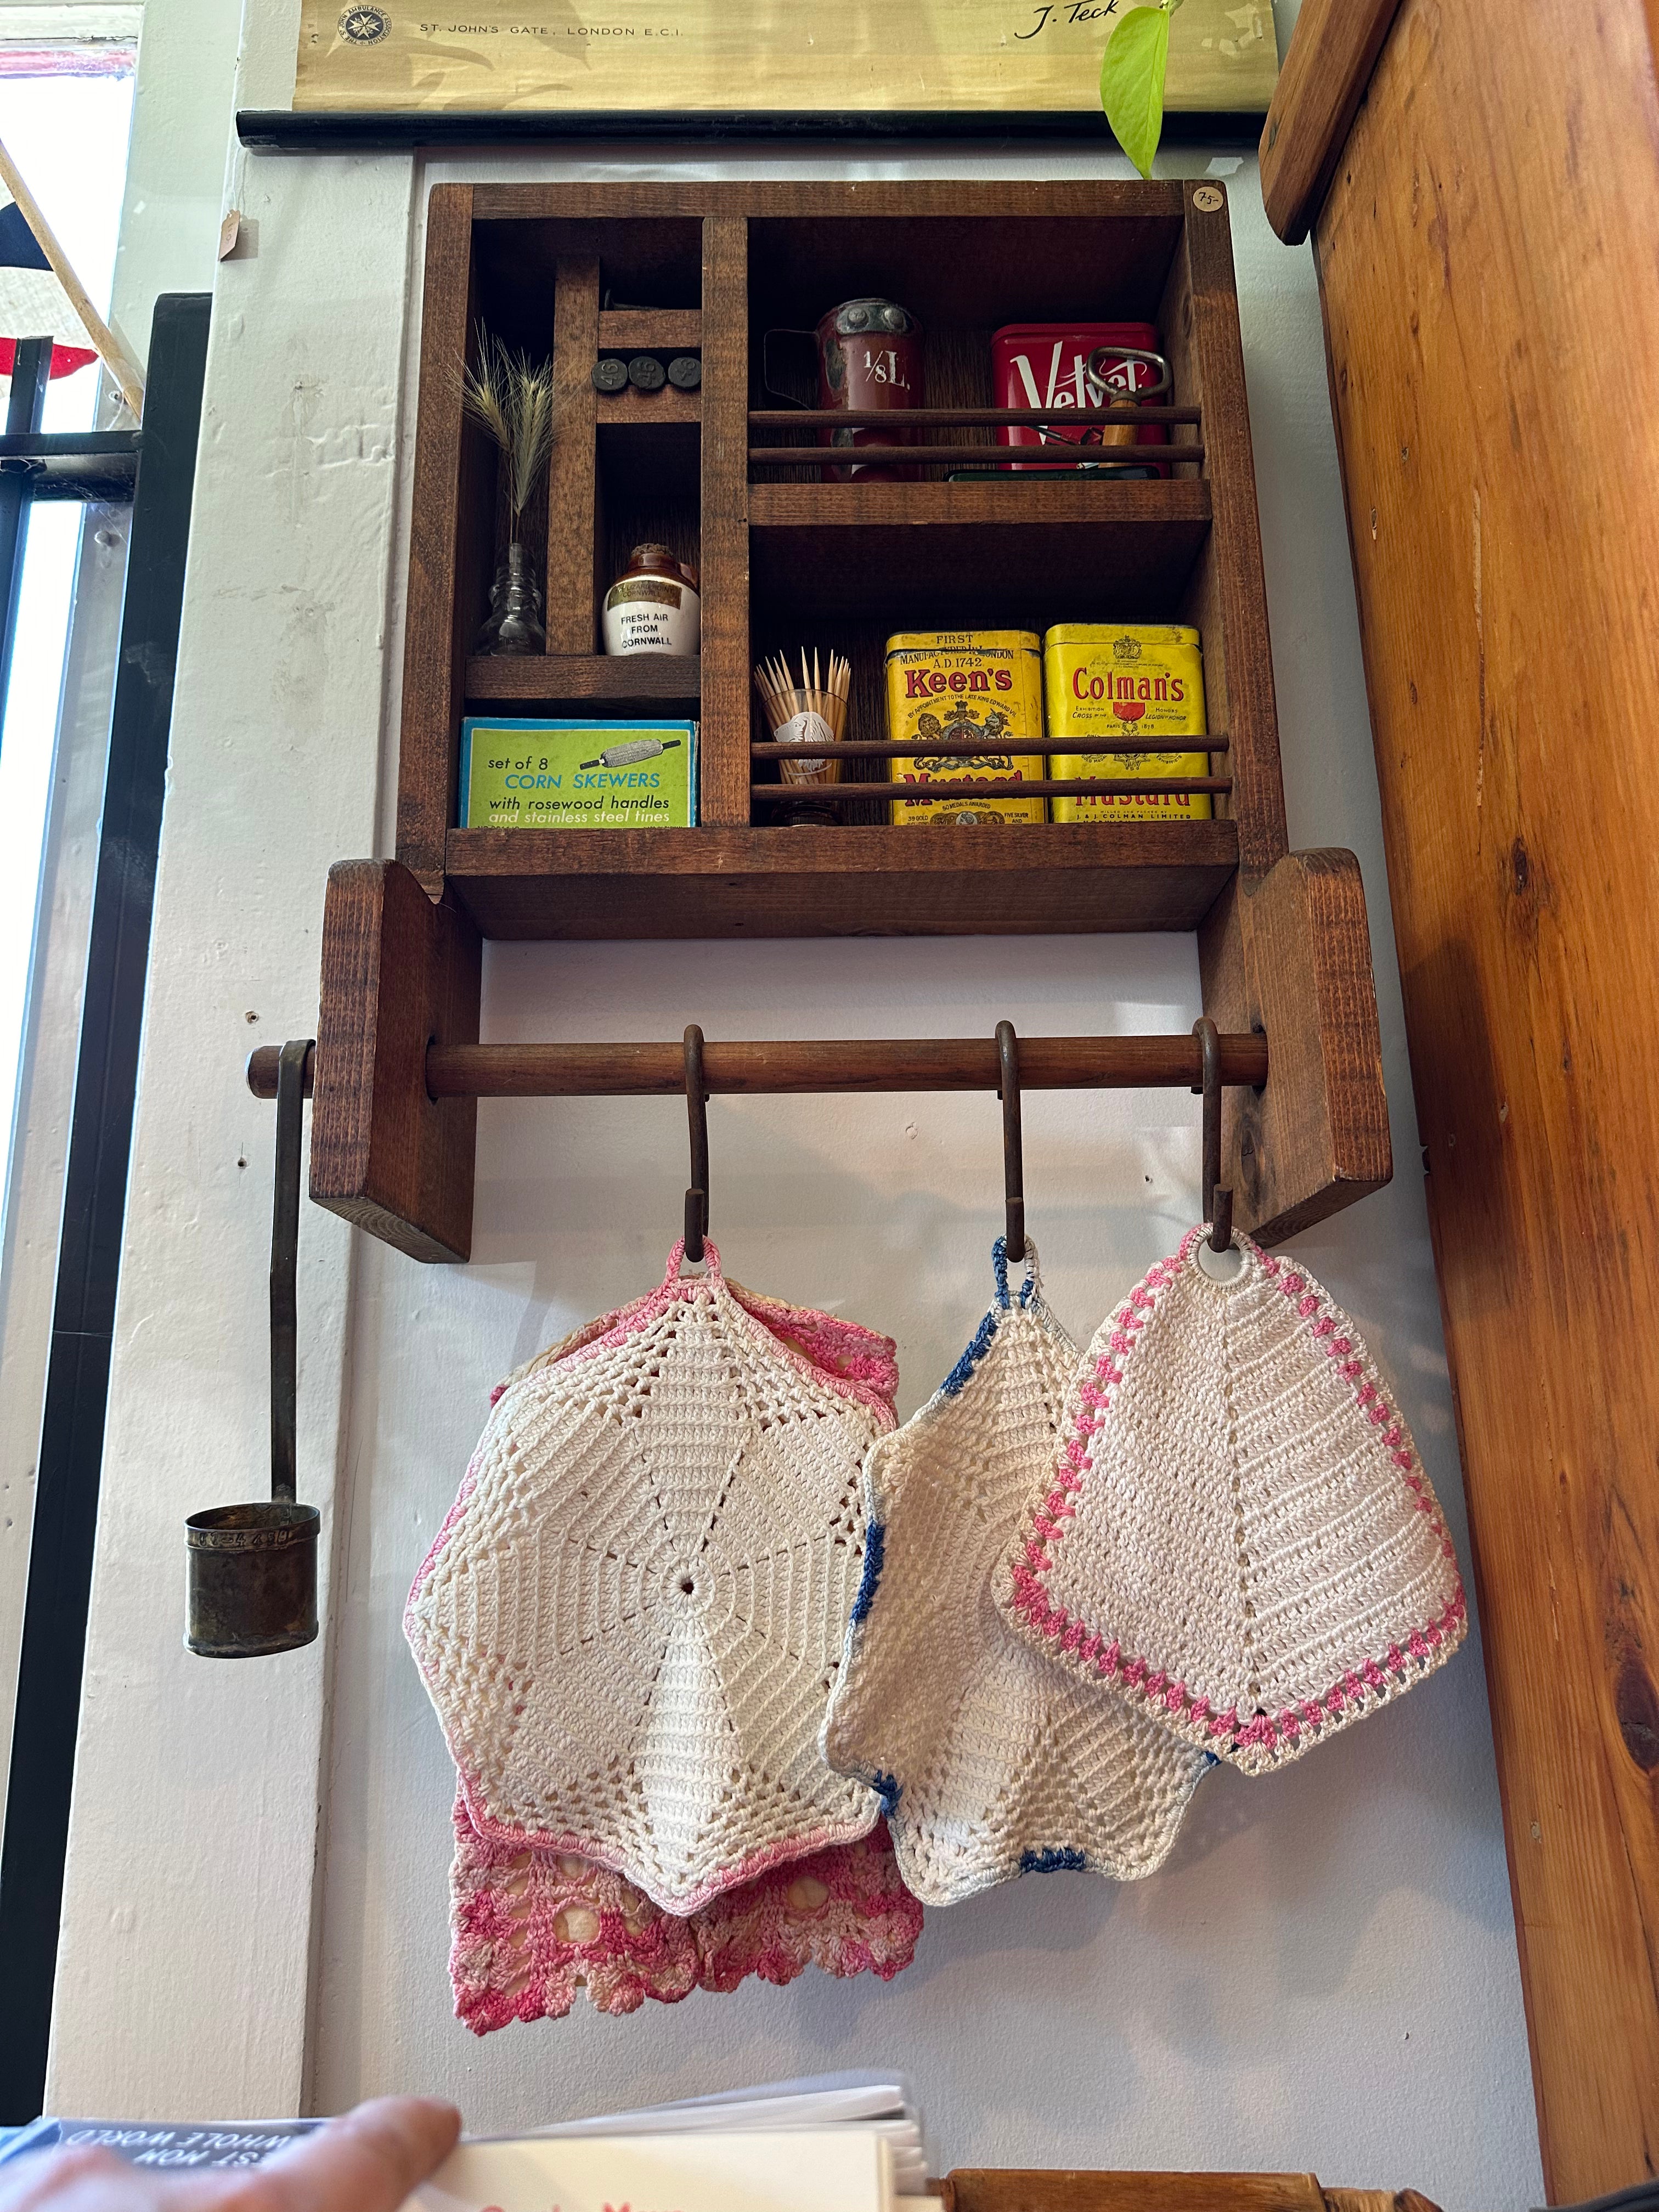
column 1218, row 1203
column 1013, row 1165
column 696, row 1107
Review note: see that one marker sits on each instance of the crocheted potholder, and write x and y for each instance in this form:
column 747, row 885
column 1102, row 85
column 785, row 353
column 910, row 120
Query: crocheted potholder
column 533, row 1926
column 1238, row 1536
column 990, row 1760
column 631, row 1619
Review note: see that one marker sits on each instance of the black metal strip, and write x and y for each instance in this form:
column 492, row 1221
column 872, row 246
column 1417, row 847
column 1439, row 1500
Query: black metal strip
column 30, row 368
column 66, row 445
column 95, row 1201
column 100, row 465
column 352, row 131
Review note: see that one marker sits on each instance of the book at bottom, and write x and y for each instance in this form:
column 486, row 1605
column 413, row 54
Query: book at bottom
column 841, row 2169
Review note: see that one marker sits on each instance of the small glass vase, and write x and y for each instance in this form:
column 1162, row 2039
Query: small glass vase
column 515, row 608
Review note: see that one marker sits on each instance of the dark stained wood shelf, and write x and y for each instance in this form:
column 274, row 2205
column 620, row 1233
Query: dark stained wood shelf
column 980, row 553
column 633, row 409
column 1284, row 950
column 877, row 880
column 596, row 681
column 650, row 329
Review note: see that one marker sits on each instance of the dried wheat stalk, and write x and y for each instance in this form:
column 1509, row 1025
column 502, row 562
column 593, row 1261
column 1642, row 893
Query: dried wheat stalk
column 511, row 398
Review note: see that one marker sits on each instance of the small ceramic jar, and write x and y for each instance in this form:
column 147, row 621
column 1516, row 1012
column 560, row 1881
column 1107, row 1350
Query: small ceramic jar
column 654, row 605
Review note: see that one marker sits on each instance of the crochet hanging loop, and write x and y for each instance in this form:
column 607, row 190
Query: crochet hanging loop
column 1013, row 1165
column 696, row 1107
column 1217, row 1202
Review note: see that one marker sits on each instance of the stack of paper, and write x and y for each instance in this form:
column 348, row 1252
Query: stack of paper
column 880, row 2103
column 848, row 2169
column 838, row 2142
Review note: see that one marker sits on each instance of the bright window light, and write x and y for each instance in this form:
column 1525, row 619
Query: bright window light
column 64, row 118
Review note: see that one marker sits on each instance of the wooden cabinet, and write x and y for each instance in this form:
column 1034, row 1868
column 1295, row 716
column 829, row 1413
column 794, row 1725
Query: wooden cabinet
column 789, row 557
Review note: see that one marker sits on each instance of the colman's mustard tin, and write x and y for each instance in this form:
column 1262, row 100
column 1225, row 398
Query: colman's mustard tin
column 967, row 685
column 1136, row 680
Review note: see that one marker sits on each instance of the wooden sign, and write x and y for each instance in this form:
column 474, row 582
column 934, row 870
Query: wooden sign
column 994, row 58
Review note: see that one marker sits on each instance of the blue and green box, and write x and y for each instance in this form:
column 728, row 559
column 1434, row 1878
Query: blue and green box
column 633, row 774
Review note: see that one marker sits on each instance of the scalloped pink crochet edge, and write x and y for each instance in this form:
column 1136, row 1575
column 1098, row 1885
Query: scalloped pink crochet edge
column 673, row 1955
column 1173, row 1703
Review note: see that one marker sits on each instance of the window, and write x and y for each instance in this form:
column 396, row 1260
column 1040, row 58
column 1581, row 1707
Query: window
column 65, row 110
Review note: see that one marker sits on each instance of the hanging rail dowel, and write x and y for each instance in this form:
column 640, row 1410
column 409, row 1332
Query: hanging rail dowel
column 944, row 418
column 961, row 457
column 1097, row 787
column 871, row 1064
column 973, row 748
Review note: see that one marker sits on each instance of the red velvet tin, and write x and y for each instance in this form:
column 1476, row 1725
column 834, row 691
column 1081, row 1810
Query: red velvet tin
column 1046, row 365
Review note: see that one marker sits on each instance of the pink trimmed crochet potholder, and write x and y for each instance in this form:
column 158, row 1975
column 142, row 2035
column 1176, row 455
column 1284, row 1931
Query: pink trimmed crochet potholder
column 631, row 1619
column 1238, row 1533
column 531, row 1927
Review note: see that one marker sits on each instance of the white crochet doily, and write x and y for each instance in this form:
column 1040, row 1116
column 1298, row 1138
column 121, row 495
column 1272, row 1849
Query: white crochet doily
column 632, row 1619
column 991, row 1759
column 1239, row 1536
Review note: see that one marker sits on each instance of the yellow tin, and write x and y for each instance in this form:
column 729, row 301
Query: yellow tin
column 965, row 684
column 1130, row 680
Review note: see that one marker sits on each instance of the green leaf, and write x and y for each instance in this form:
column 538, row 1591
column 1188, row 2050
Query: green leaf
column 1131, row 83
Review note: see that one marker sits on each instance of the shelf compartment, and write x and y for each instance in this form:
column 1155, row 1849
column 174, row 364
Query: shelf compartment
column 1025, row 549
column 871, row 880
column 589, row 682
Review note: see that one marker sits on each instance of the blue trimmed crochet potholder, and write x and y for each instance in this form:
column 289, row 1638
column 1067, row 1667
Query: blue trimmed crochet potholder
column 991, row 1759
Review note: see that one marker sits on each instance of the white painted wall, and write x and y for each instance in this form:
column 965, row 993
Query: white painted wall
column 1324, row 1977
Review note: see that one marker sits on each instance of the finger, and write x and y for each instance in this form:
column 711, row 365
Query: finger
column 368, row 2160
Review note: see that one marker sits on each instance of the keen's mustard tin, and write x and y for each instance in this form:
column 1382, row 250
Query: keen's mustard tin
column 1132, row 680
column 978, row 686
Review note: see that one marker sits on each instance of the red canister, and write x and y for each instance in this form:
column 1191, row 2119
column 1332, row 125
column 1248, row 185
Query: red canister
column 1047, row 365
column 870, row 357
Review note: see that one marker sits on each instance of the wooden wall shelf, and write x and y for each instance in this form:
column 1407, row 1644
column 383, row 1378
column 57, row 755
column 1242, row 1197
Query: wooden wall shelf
column 789, row 558
column 840, row 882
column 591, row 680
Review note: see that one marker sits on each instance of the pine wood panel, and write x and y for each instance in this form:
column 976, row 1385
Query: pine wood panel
column 1485, row 260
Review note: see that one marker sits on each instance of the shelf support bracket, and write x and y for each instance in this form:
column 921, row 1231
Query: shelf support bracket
column 1291, row 957
column 399, row 974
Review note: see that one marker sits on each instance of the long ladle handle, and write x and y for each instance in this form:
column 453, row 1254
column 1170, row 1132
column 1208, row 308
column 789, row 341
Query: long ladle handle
column 284, row 1266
